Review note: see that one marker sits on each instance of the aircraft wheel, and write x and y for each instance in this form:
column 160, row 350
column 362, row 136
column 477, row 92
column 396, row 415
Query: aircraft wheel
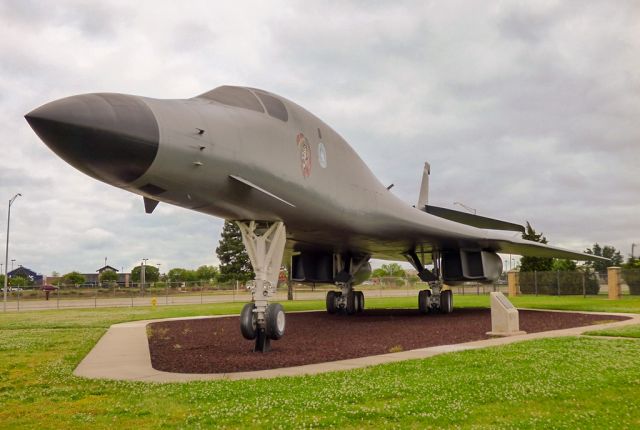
column 360, row 299
column 446, row 301
column 423, row 301
column 356, row 302
column 248, row 325
column 351, row 303
column 275, row 320
column 331, row 302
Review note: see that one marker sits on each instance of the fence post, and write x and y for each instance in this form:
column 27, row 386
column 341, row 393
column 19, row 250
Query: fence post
column 201, row 289
column 95, row 297
column 558, row 281
column 584, row 289
column 613, row 275
column 58, row 297
column 19, row 291
column 512, row 282
column 535, row 280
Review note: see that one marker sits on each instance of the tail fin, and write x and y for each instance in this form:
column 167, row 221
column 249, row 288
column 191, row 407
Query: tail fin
column 424, row 187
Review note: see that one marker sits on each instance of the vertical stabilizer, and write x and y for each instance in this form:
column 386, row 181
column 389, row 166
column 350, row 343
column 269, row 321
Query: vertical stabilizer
column 424, row 187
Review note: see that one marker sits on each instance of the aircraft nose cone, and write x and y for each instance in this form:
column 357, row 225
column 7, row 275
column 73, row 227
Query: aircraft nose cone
column 111, row 137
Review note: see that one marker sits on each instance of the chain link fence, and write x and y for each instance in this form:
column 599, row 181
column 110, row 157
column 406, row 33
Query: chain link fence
column 584, row 283
column 173, row 293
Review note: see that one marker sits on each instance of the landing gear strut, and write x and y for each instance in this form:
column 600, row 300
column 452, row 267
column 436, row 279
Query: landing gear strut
column 261, row 320
column 346, row 267
column 435, row 298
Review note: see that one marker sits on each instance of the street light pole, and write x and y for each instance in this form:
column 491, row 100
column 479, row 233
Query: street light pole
column 143, row 277
column 6, row 253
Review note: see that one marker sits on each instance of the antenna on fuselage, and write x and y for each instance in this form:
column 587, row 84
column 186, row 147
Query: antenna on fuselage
column 424, row 187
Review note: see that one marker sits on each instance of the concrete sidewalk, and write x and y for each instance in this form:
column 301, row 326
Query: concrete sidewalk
column 123, row 353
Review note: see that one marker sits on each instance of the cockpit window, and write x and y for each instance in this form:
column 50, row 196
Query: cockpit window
column 274, row 106
column 235, row 96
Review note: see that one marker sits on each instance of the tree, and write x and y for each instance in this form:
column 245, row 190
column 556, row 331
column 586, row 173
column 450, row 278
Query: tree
column 151, row 274
column 73, row 278
column 632, row 263
column 540, row 264
column 393, row 269
column 108, row 277
column 564, row 265
column 207, row 273
column 18, row 281
column 378, row 273
column 1, row 281
column 614, row 256
column 234, row 261
column 182, row 275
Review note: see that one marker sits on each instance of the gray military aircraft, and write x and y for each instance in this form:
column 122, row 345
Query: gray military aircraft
column 292, row 184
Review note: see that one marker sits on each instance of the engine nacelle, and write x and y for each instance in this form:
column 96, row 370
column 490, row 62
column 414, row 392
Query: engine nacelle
column 320, row 267
column 467, row 265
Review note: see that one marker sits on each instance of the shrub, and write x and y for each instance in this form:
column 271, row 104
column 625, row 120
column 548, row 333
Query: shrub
column 632, row 278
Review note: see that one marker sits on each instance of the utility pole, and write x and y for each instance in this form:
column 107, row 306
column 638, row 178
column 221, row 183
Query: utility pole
column 142, row 273
column 6, row 253
column 633, row 245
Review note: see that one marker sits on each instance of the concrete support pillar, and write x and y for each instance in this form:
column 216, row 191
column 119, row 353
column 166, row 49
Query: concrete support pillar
column 512, row 282
column 613, row 276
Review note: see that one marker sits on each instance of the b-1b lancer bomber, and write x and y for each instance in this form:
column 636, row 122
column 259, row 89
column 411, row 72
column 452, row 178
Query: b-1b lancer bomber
column 296, row 189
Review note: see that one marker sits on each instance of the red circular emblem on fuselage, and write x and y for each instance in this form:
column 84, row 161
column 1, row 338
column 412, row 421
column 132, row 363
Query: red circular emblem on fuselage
column 305, row 154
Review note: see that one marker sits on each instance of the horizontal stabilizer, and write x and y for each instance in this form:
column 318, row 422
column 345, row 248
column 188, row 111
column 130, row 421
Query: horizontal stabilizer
column 473, row 220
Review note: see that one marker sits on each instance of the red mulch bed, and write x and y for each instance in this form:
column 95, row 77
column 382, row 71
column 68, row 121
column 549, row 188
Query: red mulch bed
column 215, row 345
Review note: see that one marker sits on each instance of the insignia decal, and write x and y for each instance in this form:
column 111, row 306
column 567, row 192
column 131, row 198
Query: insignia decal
column 322, row 155
column 305, row 154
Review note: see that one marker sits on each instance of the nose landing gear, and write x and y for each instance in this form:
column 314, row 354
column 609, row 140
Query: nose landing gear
column 261, row 320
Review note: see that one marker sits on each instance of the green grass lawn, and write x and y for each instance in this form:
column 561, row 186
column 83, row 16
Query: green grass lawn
column 552, row 383
column 628, row 331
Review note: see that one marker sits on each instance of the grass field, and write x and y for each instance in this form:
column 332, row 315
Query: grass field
column 552, row 383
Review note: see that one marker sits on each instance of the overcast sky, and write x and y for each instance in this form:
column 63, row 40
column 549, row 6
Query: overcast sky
column 526, row 111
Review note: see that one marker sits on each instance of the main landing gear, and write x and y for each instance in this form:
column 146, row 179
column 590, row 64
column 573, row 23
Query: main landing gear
column 346, row 271
column 346, row 300
column 261, row 320
column 436, row 298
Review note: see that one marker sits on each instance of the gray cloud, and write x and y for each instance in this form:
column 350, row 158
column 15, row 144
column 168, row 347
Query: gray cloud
column 526, row 111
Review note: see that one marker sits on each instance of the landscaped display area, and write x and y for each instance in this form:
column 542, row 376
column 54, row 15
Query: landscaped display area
column 576, row 382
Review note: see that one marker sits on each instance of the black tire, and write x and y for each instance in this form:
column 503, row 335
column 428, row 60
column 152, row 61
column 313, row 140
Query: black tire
column 361, row 301
column 351, row 303
column 275, row 321
column 446, row 301
column 248, row 325
column 356, row 302
column 331, row 302
column 423, row 301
